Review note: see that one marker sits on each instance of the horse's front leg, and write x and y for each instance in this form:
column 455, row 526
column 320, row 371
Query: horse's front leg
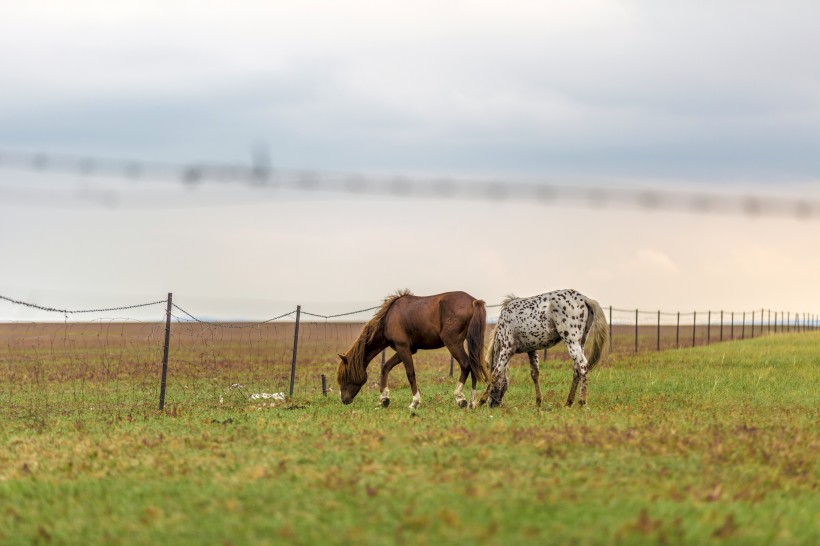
column 535, row 372
column 407, row 359
column 384, row 397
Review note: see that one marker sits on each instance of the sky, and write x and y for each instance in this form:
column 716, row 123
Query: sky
column 712, row 96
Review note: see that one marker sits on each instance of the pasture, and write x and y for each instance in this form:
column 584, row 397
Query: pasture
column 712, row 444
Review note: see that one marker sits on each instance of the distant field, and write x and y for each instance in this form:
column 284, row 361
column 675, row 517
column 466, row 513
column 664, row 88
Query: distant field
column 712, row 444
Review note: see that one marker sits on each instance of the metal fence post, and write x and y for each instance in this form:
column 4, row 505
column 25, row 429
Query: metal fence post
column 743, row 326
column 295, row 347
column 677, row 333
column 694, row 326
column 658, row 348
column 753, row 324
column 788, row 321
column 610, row 328
column 733, row 326
column 709, row 328
column 761, row 322
column 636, row 330
column 165, row 352
column 721, row 325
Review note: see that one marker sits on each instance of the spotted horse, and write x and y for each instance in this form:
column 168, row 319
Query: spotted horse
column 526, row 325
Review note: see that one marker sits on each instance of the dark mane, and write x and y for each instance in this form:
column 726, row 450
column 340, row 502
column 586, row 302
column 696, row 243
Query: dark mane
column 356, row 370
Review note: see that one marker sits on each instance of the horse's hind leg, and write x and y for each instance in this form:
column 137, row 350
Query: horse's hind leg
column 579, row 369
column 535, row 371
column 457, row 350
column 384, row 397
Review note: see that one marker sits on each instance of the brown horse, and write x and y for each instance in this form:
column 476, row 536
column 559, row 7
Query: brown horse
column 407, row 323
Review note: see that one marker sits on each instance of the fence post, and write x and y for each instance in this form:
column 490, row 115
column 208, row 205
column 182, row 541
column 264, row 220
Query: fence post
column 761, row 322
column 709, row 328
column 295, row 347
column 753, row 324
column 694, row 326
column 324, row 385
column 658, row 348
column 677, row 333
column 545, row 353
column 743, row 326
column 610, row 328
column 636, row 330
column 769, row 322
column 788, row 321
column 733, row 326
column 165, row 352
column 721, row 325
column 775, row 322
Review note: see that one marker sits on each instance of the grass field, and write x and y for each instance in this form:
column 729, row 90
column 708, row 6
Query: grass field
column 712, row 444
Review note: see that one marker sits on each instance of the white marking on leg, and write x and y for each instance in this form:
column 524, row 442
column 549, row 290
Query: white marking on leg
column 385, row 395
column 416, row 400
column 458, row 392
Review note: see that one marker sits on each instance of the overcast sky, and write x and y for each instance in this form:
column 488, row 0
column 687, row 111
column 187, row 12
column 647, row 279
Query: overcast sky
column 718, row 95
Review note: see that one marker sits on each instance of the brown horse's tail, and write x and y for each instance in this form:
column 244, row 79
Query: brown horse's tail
column 600, row 333
column 475, row 342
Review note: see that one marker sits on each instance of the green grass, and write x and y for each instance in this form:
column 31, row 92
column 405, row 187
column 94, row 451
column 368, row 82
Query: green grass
column 716, row 444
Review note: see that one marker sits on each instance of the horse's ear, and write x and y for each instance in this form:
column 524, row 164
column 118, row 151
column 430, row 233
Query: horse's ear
column 343, row 357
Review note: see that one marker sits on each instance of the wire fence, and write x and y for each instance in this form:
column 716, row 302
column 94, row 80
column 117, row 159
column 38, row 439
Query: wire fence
column 180, row 362
column 260, row 174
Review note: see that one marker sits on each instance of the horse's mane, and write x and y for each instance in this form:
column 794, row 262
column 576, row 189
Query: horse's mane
column 356, row 370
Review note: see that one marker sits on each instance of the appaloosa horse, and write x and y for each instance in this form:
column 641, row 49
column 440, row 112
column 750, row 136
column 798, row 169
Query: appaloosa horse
column 407, row 323
column 526, row 325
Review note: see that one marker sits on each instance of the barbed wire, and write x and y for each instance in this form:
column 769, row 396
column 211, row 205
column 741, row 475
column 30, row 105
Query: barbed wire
column 78, row 311
column 262, row 175
column 224, row 324
column 340, row 314
column 227, row 324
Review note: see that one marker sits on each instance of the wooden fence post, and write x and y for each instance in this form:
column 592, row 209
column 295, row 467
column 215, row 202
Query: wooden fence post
column 753, row 324
column 733, row 326
column 295, row 348
column 324, row 385
column 636, row 330
column 165, row 352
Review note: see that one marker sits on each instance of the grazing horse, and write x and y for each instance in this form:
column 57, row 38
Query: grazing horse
column 526, row 325
column 407, row 323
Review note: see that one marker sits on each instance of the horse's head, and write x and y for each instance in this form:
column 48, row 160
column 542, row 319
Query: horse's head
column 349, row 386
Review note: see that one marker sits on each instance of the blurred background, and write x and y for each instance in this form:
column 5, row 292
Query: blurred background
column 252, row 156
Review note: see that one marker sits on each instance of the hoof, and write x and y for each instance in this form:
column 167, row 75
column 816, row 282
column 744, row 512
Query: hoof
column 385, row 402
column 462, row 403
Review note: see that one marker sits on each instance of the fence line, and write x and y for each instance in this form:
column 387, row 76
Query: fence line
column 262, row 175
column 644, row 324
